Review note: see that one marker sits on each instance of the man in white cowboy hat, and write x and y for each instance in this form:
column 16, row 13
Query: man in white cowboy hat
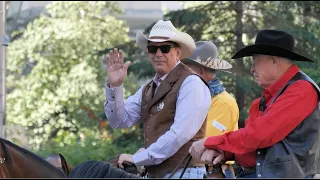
column 165, row 105
column 281, row 137
column 223, row 114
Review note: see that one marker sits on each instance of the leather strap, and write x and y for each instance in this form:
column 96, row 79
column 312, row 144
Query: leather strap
column 187, row 158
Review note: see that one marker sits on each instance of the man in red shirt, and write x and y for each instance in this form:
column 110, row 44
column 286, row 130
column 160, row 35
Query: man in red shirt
column 281, row 135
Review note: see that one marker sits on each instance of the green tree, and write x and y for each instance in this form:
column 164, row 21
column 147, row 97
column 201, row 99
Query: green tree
column 56, row 79
column 233, row 24
column 93, row 145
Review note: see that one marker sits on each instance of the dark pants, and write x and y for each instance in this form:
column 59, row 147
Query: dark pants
column 244, row 175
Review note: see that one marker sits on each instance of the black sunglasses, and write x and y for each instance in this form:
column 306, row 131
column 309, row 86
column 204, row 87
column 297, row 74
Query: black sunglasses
column 164, row 48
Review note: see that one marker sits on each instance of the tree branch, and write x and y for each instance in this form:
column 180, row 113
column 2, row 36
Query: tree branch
column 102, row 123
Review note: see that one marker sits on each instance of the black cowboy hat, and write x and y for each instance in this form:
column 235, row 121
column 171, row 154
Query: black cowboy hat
column 274, row 43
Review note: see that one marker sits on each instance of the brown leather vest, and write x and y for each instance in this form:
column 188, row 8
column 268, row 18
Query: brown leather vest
column 157, row 121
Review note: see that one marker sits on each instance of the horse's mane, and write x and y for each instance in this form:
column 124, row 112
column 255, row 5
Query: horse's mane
column 98, row 169
column 25, row 155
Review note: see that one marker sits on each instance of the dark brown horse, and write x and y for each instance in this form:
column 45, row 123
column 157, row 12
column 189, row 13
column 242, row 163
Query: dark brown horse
column 17, row 162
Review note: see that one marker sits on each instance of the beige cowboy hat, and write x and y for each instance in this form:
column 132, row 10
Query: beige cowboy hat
column 206, row 55
column 165, row 31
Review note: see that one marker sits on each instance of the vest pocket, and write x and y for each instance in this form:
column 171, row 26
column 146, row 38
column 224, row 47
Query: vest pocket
column 279, row 160
column 281, row 168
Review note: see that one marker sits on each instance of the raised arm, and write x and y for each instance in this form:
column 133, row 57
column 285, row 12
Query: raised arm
column 120, row 114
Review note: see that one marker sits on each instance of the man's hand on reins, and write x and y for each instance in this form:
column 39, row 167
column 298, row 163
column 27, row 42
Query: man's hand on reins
column 212, row 156
column 197, row 148
column 125, row 158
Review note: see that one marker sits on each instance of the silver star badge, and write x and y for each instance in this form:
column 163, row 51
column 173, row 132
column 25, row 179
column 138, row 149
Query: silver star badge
column 160, row 106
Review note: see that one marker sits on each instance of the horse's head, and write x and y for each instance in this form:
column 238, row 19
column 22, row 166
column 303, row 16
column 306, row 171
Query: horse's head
column 21, row 163
column 59, row 162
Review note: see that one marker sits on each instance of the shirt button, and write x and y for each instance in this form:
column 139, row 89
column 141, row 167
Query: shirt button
column 258, row 164
column 258, row 152
column 259, row 175
column 151, row 115
column 111, row 110
column 113, row 97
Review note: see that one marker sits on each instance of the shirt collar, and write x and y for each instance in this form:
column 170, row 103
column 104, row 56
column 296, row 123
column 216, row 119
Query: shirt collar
column 276, row 86
column 156, row 78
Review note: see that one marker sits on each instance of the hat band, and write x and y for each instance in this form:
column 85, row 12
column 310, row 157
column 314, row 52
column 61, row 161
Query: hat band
column 159, row 37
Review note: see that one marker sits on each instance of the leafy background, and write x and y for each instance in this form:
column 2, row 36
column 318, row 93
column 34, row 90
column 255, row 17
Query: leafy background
column 56, row 69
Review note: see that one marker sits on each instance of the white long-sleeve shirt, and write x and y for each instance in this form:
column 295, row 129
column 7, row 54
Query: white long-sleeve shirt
column 192, row 106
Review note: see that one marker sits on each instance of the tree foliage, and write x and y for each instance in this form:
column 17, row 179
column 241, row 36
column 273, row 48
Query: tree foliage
column 231, row 25
column 56, row 79
column 93, row 145
column 56, row 70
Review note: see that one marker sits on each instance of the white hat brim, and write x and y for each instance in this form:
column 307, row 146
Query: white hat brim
column 184, row 40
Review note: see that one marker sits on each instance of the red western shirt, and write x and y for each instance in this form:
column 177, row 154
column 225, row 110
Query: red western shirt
column 296, row 103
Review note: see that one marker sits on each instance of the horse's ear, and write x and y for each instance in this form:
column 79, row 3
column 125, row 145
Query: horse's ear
column 69, row 167
column 65, row 166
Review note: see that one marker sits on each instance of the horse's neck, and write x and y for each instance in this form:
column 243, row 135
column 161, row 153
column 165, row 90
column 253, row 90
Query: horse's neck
column 3, row 173
column 21, row 163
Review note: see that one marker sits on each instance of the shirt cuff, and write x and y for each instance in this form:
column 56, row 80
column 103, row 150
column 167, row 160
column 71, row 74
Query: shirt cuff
column 212, row 142
column 229, row 157
column 141, row 158
column 114, row 93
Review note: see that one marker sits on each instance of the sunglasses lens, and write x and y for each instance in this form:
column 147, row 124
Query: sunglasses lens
column 163, row 49
column 152, row 49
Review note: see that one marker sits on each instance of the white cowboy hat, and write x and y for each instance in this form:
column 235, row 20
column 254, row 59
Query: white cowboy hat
column 206, row 55
column 165, row 31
